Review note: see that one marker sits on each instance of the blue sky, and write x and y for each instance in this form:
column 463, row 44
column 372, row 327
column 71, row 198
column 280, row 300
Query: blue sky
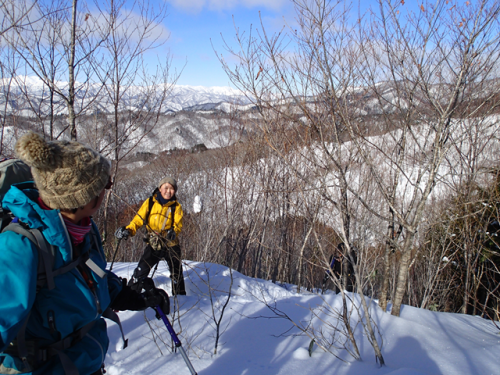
column 196, row 26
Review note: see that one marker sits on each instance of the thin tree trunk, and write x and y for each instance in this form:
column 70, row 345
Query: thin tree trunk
column 71, row 72
column 402, row 279
column 385, row 281
column 371, row 333
column 301, row 257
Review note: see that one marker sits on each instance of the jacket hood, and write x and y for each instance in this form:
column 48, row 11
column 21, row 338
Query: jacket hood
column 22, row 203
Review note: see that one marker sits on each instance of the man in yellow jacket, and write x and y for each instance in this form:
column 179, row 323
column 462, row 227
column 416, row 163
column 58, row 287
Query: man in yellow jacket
column 163, row 218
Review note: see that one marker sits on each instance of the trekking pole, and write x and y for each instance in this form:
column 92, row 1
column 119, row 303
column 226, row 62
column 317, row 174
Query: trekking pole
column 156, row 267
column 175, row 339
column 116, row 252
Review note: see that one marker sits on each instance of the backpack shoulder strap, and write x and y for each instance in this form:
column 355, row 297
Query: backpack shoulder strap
column 172, row 210
column 45, row 253
column 151, row 202
column 150, row 206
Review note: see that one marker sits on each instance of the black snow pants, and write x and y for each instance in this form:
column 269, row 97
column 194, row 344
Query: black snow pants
column 151, row 257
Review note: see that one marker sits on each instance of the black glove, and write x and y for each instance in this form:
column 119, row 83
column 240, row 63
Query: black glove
column 160, row 298
column 170, row 234
column 122, row 233
column 156, row 297
column 128, row 299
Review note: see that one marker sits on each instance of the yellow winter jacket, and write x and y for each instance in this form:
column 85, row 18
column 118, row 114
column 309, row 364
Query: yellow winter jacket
column 157, row 218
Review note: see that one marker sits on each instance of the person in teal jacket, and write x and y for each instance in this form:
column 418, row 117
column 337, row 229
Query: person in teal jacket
column 64, row 331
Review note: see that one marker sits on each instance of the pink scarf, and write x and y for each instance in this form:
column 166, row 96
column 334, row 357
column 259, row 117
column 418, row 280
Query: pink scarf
column 77, row 232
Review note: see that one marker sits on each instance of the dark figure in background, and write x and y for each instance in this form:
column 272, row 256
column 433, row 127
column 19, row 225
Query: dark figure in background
column 342, row 269
column 162, row 214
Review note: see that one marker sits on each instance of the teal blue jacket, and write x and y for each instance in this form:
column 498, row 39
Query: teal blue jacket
column 57, row 313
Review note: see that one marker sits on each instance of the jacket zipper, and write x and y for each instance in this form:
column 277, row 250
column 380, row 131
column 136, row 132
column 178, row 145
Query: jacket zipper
column 87, row 277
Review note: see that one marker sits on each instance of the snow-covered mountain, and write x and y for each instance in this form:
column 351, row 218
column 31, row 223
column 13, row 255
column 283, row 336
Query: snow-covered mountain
column 187, row 97
column 189, row 115
column 14, row 93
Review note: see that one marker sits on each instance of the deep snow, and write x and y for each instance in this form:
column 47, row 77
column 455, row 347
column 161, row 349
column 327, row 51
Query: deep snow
column 256, row 341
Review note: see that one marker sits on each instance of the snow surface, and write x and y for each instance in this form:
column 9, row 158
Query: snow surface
column 255, row 341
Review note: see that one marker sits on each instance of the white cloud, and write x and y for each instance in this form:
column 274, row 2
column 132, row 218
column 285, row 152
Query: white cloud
column 190, row 6
column 196, row 6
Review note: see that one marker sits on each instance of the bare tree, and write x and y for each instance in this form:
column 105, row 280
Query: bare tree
column 15, row 14
column 8, row 94
column 51, row 55
column 303, row 98
column 135, row 97
column 434, row 60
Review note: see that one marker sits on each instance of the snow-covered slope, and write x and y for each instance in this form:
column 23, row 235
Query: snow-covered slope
column 254, row 340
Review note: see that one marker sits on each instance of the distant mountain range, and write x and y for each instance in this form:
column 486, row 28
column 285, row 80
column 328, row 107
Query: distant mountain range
column 203, row 98
column 13, row 94
column 190, row 115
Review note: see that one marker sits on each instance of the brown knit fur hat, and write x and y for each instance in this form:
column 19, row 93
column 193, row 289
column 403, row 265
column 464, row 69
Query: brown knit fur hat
column 67, row 174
